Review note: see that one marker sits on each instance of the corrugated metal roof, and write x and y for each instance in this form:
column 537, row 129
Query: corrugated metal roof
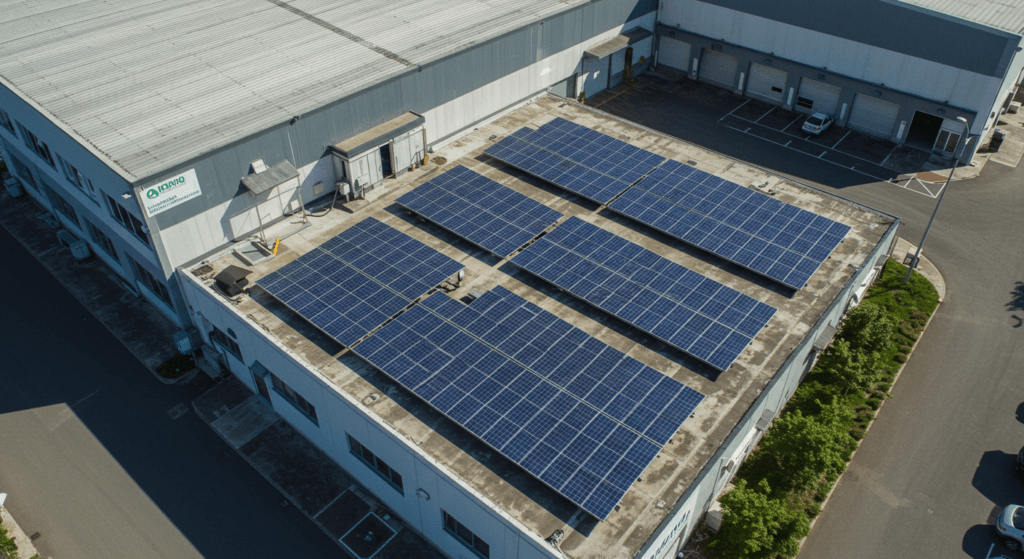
column 150, row 84
column 1007, row 15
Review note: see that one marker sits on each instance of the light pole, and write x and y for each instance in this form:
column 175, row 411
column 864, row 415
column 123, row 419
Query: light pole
column 945, row 187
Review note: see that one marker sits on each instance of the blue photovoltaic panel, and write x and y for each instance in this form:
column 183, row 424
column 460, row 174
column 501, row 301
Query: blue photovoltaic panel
column 576, row 158
column 774, row 239
column 581, row 416
column 483, row 212
column 354, row 282
column 695, row 314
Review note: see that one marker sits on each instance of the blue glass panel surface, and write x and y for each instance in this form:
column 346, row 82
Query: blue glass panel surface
column 576, row 413
column 777, row 240
column 355, row 281
column 697, row 315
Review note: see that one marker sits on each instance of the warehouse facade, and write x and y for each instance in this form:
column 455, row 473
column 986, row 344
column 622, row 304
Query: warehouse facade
column 902, row 71
column 145, row 162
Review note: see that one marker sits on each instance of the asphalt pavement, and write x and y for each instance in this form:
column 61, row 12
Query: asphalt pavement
column 937, row 464
column 94, row 462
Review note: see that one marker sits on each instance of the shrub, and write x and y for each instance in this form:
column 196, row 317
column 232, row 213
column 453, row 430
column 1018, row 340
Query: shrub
column 874, row 403
column 857, row 433
column 899, row 358
column 757, row 526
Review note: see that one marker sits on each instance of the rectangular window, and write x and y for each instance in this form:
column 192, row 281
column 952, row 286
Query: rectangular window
column 64, row 207
column 376, row 464
column 126, row 219
column 75, row 176
column 222, row 339
column 23, row 172
column 295, row 398
column 36, row 145
column 804, row 102
column 467, row 538
column 101, row 239
column 155, row 286
column 5, row 121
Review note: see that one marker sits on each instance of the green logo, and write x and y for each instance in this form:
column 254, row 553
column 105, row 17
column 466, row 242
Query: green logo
column 153, row 193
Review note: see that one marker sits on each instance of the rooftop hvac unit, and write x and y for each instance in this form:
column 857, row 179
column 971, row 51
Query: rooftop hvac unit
column 79, row 249
column 187, row 340
column 13, row 187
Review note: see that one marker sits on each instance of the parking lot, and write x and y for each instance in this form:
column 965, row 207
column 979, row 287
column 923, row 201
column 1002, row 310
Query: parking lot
column 671, row 103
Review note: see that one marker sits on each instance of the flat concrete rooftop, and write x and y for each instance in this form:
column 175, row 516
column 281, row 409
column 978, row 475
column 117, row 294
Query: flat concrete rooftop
column 728, row 394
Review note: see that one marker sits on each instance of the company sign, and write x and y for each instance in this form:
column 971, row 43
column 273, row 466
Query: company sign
column 170, row 193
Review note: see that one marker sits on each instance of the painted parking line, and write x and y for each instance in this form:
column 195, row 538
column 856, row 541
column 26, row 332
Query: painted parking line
column 764, row 115
column 734, row 110
column 889, row 155
column 787, row 126
column 841, row 139
column 912, row 185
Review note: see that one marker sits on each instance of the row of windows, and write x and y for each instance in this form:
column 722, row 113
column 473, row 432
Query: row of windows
column 465, row 536
column 220, row 338
column 376, row 464
column 65, row 208
column 73, row 175
column 154, row 285
column 294, row 397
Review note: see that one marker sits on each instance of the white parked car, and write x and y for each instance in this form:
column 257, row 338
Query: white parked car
column 817, row 123
column 1011, row 527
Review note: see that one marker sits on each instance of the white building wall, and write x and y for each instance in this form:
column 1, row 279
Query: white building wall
column 339, row 414
column 481, row 103
column 235, row 219
column 894, row 70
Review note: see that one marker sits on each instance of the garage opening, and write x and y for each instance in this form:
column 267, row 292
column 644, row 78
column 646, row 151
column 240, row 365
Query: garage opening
column 923, row 131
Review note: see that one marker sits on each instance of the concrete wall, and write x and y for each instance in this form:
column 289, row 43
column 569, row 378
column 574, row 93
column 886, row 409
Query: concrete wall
column 89, row 206
column 860, row 60
column 695, row 501
column 339, row 414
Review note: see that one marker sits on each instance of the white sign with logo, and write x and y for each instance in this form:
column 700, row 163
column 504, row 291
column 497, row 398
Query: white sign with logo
column 170, row 192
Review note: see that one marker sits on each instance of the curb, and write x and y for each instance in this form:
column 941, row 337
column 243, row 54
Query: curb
column 895, row 379
column 25, row 548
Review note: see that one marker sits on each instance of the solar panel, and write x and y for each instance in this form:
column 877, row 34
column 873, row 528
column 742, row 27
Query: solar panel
column 695, row 314
column 581, row 416
column 357, row 280
column 576, row 158
column 774, row 239
column 483, row 212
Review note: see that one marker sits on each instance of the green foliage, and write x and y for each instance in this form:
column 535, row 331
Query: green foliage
column 7, row 545
column 868, row 328
column 756, row 526
column 809, row 447
column 849, row 367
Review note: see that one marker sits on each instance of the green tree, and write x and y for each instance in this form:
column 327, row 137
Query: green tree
column 868, row 328
column 809, row 447
column 849, row 367
column 756, row 526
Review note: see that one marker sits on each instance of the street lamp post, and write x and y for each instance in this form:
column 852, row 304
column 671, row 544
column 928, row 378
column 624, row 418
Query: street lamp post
column 945, row 187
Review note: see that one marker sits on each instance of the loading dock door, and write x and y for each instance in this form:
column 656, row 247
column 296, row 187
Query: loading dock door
column 674, row 54
column 924, row 129
column 766, row 82
column 596, row 71
column 718, row 68
column 873, row 116
column 817, row 97
column 617, row 73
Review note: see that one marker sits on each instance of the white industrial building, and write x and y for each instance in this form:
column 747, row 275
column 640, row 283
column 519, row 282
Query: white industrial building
column 178, row 140
column 900, row 70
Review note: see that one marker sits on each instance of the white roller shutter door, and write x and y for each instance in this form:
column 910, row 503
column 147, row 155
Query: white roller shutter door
column 766, row 82
column 596, row 75
column 873, row 116
column 674, row 54
column 718, row 68
column 817, row 97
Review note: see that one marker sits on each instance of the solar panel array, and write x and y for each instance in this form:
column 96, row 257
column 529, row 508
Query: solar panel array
column 355, row 281
column 483, row 212
column 695, row 314
column 772, row 238
column 576, row 158
column 581, row 416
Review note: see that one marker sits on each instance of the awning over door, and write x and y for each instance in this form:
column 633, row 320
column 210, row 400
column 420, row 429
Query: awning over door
column 263, row 181
column 617, row 43
column 378, row 135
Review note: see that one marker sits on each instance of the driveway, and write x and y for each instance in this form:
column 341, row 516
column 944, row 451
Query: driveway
column 937, row 464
